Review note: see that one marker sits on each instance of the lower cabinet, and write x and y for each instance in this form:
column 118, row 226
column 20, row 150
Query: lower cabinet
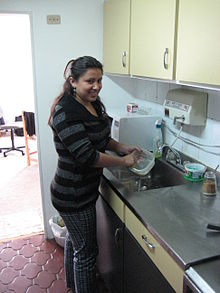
column 130, row 259
column 153, row 250
column 110, row 241
column 140, row 273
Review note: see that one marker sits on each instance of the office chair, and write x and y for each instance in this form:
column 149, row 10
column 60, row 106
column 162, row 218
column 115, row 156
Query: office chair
column 29, row 134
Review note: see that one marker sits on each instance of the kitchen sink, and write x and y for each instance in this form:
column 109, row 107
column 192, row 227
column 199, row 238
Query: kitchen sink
column 162, row 175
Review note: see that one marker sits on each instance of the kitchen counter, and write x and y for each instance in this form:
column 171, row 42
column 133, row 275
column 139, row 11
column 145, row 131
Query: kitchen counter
column 177, row 217
column 205, row 276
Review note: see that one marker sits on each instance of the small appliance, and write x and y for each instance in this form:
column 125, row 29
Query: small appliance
column 186, row 106
column 133, row 128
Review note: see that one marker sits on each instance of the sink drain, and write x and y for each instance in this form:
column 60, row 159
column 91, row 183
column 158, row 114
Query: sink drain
column 142, row 188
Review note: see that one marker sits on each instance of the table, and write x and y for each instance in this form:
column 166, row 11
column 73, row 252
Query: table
column 12, row 126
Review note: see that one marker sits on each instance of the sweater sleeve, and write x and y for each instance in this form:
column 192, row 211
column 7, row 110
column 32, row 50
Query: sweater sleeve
column 72, row 134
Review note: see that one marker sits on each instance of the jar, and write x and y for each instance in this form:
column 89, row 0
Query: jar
column 209, row 183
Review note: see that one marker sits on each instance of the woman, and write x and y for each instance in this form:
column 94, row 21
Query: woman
column 81, row 135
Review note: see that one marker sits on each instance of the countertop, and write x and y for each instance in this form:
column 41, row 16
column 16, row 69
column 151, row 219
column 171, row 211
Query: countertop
column 177, row 217
column 206, row 276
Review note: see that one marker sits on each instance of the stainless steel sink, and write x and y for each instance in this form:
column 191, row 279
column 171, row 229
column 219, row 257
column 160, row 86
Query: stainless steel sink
column 162, row 175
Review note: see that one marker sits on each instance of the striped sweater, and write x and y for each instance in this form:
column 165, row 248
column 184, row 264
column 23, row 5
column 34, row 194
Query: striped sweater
column 79, row 136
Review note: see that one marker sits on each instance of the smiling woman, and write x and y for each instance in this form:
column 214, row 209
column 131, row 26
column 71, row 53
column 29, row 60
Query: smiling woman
column 81, row 131
column 88, row 86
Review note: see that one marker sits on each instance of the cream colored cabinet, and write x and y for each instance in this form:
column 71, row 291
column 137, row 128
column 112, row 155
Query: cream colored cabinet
column 116, row 34
column 154, row 267
column 198, row 45
column 161, row 259
column 153, row 25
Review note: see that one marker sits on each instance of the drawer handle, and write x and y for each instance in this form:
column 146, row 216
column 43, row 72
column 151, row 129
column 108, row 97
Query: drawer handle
column 149, row 245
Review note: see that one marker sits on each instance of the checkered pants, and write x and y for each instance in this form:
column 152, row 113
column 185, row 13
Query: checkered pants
column 81, row 250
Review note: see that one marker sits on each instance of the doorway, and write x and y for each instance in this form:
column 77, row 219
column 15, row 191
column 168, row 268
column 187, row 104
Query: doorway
column 20, row 196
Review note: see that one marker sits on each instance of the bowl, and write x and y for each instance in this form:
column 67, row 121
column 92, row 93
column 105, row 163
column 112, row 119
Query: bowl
column 144, row 164
column 194, row 172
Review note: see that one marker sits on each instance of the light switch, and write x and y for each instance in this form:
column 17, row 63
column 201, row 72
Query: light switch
column 53, row 19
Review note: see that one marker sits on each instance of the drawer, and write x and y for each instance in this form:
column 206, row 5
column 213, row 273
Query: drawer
column 164, row 262
column 112, row 199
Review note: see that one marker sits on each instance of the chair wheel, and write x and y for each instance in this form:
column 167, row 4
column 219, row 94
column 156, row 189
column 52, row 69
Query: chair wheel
column 5, row 155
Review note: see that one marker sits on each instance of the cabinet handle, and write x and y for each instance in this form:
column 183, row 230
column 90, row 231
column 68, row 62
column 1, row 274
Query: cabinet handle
column 123, row 59
column 165, row 54
column 149, row 244
column 117, row 236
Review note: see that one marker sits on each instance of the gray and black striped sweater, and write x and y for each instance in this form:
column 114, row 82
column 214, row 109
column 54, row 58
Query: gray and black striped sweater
column 79, row 136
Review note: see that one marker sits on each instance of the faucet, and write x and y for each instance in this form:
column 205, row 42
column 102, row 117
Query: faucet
column 178, row 161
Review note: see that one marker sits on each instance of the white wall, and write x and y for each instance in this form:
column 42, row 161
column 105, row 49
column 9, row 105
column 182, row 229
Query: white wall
column 151, row 94
column 80, row 33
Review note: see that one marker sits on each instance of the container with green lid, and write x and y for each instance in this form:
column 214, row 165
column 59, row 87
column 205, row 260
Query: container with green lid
column 194, row 172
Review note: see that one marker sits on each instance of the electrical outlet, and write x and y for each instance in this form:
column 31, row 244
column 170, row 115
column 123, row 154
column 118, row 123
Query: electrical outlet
column 53, row 19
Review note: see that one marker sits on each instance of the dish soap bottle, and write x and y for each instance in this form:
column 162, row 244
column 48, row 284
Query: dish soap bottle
column 158, row 140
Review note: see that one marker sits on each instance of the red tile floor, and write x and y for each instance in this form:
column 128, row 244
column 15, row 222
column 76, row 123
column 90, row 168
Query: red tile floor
column 33, row 265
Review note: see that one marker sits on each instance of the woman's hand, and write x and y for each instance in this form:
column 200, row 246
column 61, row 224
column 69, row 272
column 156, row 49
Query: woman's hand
column 131, row 159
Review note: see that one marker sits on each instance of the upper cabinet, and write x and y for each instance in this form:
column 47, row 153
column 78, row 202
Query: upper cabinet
column 163, row 39
column 198, row 45
column 116, row 36
column 153, row 24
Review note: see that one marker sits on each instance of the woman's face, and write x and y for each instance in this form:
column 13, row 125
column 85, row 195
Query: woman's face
column 88, row 85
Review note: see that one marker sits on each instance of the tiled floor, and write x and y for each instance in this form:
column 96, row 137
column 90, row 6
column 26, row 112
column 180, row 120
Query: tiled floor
column 33, row 265
column 20, row 194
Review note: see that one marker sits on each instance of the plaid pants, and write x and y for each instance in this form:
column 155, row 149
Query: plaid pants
column 81, row 250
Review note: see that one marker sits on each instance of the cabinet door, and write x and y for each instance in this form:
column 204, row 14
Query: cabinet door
column 110, row 241
column 116, row 36
column 153, row 38
column 198, row 46
column 153, row 249
column 140, row 273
